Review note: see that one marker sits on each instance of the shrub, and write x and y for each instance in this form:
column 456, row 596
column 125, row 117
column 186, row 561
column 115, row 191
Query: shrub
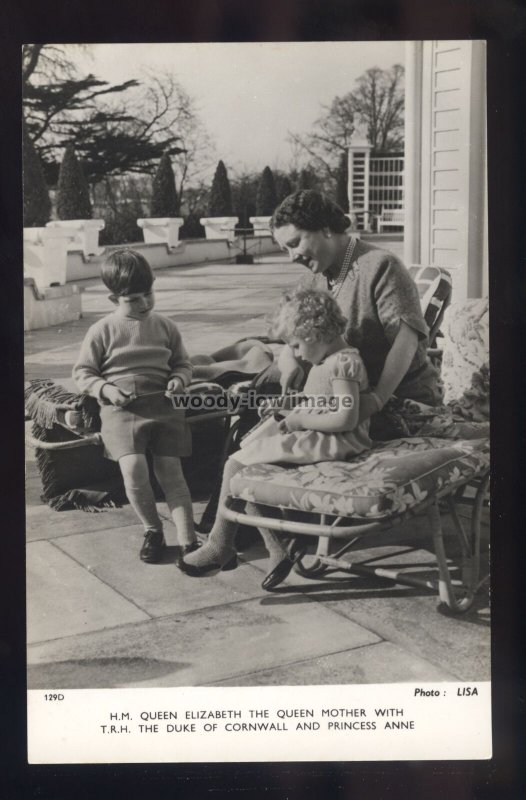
column 120, row 227
column 342, row 180
column 165, row 202
column 73, row 194
column 37, row 205
column 192, row 228
column 266, row 198
column 220, row 204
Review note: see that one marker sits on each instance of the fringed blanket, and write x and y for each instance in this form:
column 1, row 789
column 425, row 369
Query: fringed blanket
column 46, row 404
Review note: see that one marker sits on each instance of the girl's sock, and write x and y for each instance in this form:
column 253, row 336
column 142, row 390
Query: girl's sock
column 220, row 545
column 274, row 544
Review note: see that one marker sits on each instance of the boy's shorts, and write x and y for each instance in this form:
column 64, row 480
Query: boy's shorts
column 146, row 424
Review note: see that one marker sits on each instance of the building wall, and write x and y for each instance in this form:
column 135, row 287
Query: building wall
column 453, row 162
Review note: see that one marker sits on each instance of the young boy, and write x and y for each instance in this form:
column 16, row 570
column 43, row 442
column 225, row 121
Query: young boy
column 128, row 360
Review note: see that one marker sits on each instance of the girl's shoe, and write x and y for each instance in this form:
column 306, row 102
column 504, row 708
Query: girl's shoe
column 283, row 569
column 197, row 572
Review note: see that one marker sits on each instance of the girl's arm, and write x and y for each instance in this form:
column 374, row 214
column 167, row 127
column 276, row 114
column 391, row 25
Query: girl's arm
column 344, row 417
column 291, row 370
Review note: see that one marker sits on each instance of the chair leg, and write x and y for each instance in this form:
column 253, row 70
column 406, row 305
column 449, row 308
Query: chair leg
column 450, row 600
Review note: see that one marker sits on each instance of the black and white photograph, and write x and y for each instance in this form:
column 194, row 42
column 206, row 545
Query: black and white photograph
column 256, row 337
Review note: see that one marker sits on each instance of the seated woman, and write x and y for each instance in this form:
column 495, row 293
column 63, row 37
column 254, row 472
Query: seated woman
column 324, row 426
column 376, row 294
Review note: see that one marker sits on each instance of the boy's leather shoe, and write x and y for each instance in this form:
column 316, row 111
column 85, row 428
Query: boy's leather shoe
column 153, row 547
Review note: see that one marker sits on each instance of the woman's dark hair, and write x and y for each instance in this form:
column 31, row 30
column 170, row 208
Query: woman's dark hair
column 310, row 211
column 126, row 272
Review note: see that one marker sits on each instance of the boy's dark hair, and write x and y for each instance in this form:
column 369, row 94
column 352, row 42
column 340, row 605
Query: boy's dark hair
column 126, row 272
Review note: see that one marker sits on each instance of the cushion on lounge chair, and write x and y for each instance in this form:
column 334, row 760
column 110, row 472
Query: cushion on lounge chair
column 465, row 362
column 389, row 479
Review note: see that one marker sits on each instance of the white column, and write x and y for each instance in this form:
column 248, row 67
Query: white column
column 413, row 152
column 477, row 254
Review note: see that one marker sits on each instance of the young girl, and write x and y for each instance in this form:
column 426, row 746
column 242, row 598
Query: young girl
column 128, row 360
column 323, row 427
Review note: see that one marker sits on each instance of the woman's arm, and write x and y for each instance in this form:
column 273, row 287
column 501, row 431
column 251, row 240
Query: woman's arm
column 344, row 417
column 397, row 363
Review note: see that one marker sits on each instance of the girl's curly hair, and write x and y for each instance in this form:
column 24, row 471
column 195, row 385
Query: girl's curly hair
column 309, row 314
column 310, row 211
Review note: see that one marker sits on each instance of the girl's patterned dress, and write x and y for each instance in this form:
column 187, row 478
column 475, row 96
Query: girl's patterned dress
column 307, row 447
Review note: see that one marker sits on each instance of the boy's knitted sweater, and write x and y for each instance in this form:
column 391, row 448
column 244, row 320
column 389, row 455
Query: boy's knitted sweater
column 122, row 347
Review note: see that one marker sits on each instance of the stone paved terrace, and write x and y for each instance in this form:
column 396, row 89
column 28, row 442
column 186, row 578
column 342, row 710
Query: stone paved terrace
column 99, row 617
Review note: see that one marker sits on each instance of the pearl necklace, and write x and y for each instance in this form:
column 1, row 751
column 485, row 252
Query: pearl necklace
column 335, row 286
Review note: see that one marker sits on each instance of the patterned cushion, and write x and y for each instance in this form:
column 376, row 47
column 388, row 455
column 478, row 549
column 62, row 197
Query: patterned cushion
column 388, row 480
column 465, row 361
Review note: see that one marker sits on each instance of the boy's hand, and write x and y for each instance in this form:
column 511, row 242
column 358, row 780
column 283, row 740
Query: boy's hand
column 115, row 396
column 175, row 386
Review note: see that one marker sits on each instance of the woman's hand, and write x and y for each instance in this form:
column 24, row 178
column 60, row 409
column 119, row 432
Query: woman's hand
column 114, row 395
column 370, row 404
column 292, row 374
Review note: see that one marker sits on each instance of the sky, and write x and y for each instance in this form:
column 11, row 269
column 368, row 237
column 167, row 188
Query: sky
column 249, row 95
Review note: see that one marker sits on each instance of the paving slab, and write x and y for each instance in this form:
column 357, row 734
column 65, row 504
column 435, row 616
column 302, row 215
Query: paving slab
column 33, row 491
column 376, row 663
column 405, row 616
column 64, row 599
column 459, row 645
column 43, row 522
column 159, row 589
column 198, row 648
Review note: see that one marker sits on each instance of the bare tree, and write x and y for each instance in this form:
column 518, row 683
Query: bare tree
column 115, row 129
column 176, row 113
column 376, row 105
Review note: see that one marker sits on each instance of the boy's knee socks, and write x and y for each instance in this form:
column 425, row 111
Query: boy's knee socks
column 142, row 501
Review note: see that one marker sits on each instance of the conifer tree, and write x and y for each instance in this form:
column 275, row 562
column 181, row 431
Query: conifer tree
column 266, row 198
column 220, row 204
column 165, row 202
column 73, row 200
column 37, row 205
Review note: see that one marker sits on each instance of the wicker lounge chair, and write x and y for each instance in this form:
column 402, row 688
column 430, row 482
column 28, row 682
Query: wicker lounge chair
column 344, row 505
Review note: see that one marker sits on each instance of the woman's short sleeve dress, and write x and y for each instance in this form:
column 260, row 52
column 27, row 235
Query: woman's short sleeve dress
column 307, row 447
